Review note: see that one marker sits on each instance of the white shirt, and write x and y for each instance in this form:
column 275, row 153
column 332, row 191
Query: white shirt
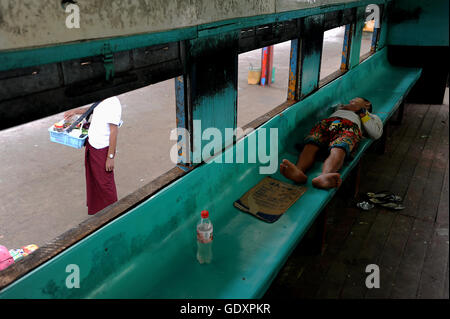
column 107, row 112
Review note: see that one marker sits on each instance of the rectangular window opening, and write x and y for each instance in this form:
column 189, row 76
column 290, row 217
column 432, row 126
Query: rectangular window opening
column 45, row 181
column 259, row 94
column 369, row 38
column 333, row 62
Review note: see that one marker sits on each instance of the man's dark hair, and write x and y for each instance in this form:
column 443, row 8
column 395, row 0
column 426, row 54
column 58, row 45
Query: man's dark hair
column 370, row 104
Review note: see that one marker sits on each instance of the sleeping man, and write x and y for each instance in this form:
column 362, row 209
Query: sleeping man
column 341, row 134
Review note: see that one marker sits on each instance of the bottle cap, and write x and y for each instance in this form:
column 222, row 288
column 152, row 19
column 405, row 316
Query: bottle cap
column 205, row 214
column 59, row 125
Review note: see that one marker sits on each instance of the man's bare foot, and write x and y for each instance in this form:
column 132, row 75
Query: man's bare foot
column 292, row 172
column 327, row 181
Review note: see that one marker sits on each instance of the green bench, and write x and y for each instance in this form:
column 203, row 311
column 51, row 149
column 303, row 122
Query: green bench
column 149, row 252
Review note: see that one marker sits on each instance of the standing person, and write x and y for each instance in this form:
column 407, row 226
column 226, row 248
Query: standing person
column 100, row 153
column 341, row 134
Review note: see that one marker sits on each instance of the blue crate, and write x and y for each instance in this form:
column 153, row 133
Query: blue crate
column 66, row 139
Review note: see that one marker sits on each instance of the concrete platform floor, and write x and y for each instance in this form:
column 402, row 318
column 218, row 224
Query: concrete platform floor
column 42, row 184
column 410, row 247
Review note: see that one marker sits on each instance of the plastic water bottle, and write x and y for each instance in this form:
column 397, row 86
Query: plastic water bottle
column 204, row 239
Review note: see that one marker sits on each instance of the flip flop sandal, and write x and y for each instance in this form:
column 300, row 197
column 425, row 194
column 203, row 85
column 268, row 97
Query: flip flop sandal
column 392, row 205
column 384, row 196
column 387, row 199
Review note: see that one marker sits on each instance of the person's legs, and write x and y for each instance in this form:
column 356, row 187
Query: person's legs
column 318, row 136
column 330, row 178
column 88, row 172
column 297, row 172
column 334, row 161
column 307, row 157
column 344, row 141
column 101, row 187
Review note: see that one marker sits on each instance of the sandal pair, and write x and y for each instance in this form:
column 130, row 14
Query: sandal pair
column 386, row 199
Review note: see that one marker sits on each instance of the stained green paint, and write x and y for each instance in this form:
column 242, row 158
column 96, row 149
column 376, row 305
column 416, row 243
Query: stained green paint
column 215, row 111
column 150, row 251
column 311, row 54
column 384, row 27
column 355, row 48
column 77, row 50
column 213, row 84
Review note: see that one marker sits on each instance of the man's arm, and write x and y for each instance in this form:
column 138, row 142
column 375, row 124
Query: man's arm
column 78, row 111
column 114, row 131
column 372, row 124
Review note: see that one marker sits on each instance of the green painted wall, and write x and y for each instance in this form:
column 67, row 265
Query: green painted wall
column 19, row 51
column 419, row 23
column 213, row 67
column 311, row 53
column 355, row 48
